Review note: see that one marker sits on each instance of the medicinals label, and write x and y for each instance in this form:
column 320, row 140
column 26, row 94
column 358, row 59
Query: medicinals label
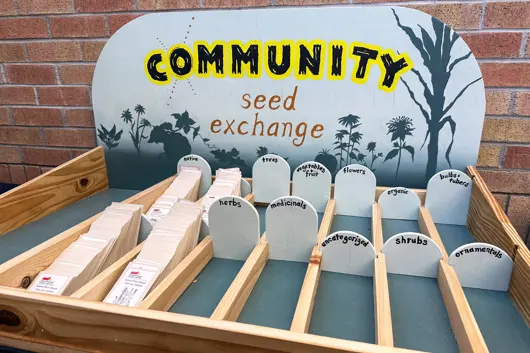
column 410, row 240
column 453, row 178
column 311, row 170
column 288, row 203
column 346, row 239
column 480, row 249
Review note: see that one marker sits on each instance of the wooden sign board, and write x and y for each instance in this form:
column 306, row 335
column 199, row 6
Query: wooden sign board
column 365, row 85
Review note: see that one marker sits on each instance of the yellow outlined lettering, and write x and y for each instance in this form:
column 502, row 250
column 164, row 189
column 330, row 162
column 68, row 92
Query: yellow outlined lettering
column 211, row 67
column 246, row 63
column 398, row 74
column 278, row 60
column 187, row 63
column 153, row 66
column 310, row 46
column 341, row 65
column 356, row 61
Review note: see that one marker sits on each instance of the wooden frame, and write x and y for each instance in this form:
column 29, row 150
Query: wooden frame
column 81, row 322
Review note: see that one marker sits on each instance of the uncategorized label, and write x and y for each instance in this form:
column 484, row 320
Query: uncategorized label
column 410, row 240
column 480, row 249
column 345, row 239
column 288, row 203
column 348, row 170
column 51, row 284
column 453, row 178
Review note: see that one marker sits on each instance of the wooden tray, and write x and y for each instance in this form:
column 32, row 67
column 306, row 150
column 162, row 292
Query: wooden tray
column 258, row 305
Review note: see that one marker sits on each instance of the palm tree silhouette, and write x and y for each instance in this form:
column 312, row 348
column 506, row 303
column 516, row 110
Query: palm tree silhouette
column 339, row 136
column 350, row 122
column 400, row 128
column 136, row 134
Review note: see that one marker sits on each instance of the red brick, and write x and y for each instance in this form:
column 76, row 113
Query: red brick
column 76, row 73
column 44, row 6
column 494, row 44
column 79, row 26
column 506, row 74
column 118, row 21
column 168, row 4
column 4, row 174
column 501, row 199
column 46, row 169
column 235, row 3
column 70, row 137
column 30, row 73
column 54, row 51
column 456, row 15
column 92, row 49
column 318, row 2
column 18, row 174
column 518, row 213
column 11, row 135
column 77, row 153
column 37, row 116
column 17, row 95
column 489, row 155
column 45, row 156
column 23, row 27
column 508, row 130
column 517, row 157
column 32, row 171
column 517, row 182
column 8, row 7
column 80, row 117
column 9, row 154
column 4, row 116
column 522, row 103
column 70, row 96
column 103, row 5
column 507, row 15
column 12, row 52
column 498, row 102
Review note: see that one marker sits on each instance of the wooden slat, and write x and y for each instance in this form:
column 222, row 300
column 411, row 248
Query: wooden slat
column 377, row 228
column 428, row 228
column 250, row 198
column 520, row 283
column 98, row 287
column 42, row 346
column 237, row 294
column 20, row 271
column 172, row 287
column 117, row 329
column 327, row 221
column 306, row 300
column 382, row 313
column 468, row 336
column 70, row 182
column 487, row 221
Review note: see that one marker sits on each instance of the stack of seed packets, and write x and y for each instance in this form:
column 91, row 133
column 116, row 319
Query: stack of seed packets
column 171, row 239
column 227, row 182
column 110, row 237
column 185, row 186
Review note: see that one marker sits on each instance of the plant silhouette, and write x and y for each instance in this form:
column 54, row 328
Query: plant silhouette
column 341, row 146
column 110, row 137
column 436, row 54
column 175, row 144
column 137, row 127
column 229, row 158
column 327, row 160
column 262, row 151
column 374, row 155
column 350, row 122
column 400, row 128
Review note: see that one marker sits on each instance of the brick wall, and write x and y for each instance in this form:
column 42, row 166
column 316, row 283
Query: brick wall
column 48, row 49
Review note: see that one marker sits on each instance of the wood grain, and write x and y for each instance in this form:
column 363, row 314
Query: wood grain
column 250, row 198
column 327, row 220
column 114, row 328
column 428, row 228
column 306, row 300
column 43, row 346
column 468, row 335
column 237, row 294
column 377, row 228
column 21, row 270
column 382, row 312
column 70, row 182
column 172, row 287
column 520, row 283
column 487, row 221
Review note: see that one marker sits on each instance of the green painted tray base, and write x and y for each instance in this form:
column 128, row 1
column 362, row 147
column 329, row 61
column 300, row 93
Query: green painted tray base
column 361, row 225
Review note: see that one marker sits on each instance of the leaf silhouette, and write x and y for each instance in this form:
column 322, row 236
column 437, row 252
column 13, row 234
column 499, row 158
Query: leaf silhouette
column 205, row 140
column 411, row 150
column 452, row 124
column 396, row 144
column 196, row 131
column 391, row 154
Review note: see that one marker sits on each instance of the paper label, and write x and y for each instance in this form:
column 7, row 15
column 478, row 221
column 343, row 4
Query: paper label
column 156, row 214
column 131, row 288
column 50, row 284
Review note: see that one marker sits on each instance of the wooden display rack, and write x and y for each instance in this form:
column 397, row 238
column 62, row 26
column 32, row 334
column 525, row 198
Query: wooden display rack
column 81, row 323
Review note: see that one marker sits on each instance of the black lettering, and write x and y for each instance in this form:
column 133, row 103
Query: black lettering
column 274, row 67
column 392, row 68
column 309, row 61
column 180, row 53
column 250, row 57
column 205, row 57
column 364, row 55
column 336, row 60
column 156, row 75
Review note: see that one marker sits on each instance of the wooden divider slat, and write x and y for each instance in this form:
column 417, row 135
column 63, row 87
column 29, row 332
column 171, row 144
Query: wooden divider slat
column 237, row 294
column 43, row 346
column 382, row 313
column 172, row 287
column 468, row 335
column 520, row 283
column 428, row 228
column 327, row 220
column 70, row 182
column 377, row 228
column 20, row 271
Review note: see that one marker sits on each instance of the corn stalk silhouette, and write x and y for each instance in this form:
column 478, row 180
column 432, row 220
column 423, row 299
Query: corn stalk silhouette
column 436, row 55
